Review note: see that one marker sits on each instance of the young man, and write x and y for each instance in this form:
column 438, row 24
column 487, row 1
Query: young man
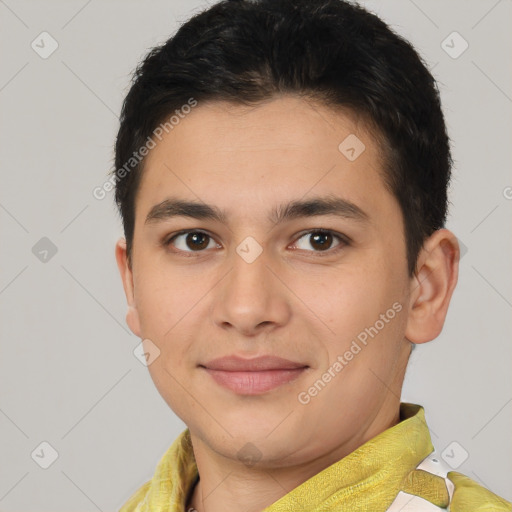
column 281, row 172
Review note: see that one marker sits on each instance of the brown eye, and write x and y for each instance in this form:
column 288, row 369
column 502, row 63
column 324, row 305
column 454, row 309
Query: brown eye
column 196, row 241
column 191, row 241
column 320, row 240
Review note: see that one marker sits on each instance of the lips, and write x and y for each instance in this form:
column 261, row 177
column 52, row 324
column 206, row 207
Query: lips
column 253, row 376
column 239, row 364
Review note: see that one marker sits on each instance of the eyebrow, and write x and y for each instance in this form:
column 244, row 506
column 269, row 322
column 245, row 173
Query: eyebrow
column 316, row 206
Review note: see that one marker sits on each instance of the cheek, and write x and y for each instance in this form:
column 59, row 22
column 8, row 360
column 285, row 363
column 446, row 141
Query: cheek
column 166, row 303
column 169, row 304
column 343, row 298
column 348, row 305
column 163, row 296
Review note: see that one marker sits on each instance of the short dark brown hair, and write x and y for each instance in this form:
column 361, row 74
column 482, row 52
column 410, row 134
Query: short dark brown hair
column 334, row 51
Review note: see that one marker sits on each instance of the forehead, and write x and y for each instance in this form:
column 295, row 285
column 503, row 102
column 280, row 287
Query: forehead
column 242, row 158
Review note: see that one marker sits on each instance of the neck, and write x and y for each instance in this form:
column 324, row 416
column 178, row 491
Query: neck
column 229, row 483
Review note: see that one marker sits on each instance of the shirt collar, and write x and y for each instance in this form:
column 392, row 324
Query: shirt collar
column 369, row 478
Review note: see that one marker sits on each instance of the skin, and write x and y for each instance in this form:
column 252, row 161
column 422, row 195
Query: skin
column 294, row 301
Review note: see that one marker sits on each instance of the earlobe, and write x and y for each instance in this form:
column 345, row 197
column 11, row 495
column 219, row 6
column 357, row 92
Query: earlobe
column 432, row 286
column 132, row 315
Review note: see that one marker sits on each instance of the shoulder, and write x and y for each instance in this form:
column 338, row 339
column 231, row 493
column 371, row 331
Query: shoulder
column 175, row 473
column 433, row 487
column 468, row 495
column 137, row 499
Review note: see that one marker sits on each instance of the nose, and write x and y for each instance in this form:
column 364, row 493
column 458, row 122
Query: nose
column 251, row 298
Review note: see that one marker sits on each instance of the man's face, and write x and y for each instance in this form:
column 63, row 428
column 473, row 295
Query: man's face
column 246, row 286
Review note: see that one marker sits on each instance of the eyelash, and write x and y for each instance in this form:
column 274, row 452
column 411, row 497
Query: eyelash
column 343, row 239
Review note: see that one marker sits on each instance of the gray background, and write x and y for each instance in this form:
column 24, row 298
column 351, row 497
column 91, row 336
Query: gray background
column 68, row 375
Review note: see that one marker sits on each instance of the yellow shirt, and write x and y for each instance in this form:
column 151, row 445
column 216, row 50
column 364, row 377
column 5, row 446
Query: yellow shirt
column 397, row 470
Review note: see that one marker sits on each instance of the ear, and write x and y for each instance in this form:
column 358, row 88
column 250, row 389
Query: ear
column 125, row 269
column 432, row 285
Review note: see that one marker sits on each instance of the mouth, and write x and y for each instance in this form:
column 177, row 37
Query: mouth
column 253, row 376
